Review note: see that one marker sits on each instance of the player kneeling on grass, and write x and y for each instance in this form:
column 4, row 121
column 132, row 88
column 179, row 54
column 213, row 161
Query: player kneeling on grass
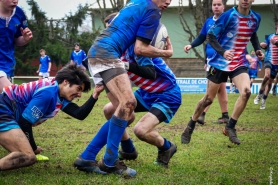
column 27, row 105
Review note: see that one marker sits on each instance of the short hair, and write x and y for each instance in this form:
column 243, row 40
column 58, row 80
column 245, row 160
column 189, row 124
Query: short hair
column 110, row 17
column 75, row 75
column 76, row 44
column 42, row 50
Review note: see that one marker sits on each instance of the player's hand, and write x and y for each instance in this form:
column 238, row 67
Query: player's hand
column 37, row 71
column 229, row 54
column 273, row 41
column 263, row 45
column 260, row 54
column 27, row 34
column 259, row 69
column 169, row 47
column 97, row 90
column 187, row 48
column 38, row 150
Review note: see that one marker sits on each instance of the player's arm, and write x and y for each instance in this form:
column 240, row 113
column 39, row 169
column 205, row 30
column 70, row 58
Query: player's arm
column 26, row 127
column 215, row 44
column 39, row 68
column 196, row 42
column 147, row 72
column 260, row 63
column 82, row 112
column 256, row 45
column 49, row 66
column 71, row 58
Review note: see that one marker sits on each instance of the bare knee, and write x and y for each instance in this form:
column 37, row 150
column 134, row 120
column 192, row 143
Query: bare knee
column 108, row 112
column 140, row 133
column 127, row 107
column 246, row 93
column 207, row 101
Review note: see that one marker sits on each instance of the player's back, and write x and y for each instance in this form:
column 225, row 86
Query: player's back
column 132, row 21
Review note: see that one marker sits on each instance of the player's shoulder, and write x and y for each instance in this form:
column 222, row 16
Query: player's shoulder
column 255, row 14
column 19, row 11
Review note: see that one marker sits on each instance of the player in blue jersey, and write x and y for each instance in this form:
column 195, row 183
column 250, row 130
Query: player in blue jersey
column 45, row 65
column 78, row 55
column 270, row 65
column 234, row 29
column 217, row 9
column 136, row 23
column 159, row 95
column 254, row 63
column 29, row 104
column 13, row 31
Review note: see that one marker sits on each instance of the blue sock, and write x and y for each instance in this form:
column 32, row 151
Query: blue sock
column 127, row 146
column 97, row 143
column 116, row 129
column 165, row 146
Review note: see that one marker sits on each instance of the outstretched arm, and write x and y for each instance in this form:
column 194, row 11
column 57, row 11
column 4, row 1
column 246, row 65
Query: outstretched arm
column 82, row 112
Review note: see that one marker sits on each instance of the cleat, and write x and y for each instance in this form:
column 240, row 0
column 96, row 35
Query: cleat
column 120, row 169
column 222, row 120
column 186, row 135
column 201, row 119
column 164, row 157
column 128, row 156
column 231, row 133
column 263, row 105
column 87, row 165
column 42, row 157
column 257, row 99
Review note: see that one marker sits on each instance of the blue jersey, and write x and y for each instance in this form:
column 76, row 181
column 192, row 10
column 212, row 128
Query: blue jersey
column 9, row 30
column 36, row 101
column 138, row 18
column 271, row 54
column 44, row 60
column 234, row 31
column 78, row 56
column 209, row 22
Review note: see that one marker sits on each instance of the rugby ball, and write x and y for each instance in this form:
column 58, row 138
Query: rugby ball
column 159, row 39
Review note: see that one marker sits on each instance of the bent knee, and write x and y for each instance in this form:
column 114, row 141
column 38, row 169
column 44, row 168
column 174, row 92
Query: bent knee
column 139, row 132
column 207, row 101
column 246, row 93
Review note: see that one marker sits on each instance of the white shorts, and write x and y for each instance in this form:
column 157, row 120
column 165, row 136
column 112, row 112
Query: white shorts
column 44, row 74
column 97, row 65
column 2, row 73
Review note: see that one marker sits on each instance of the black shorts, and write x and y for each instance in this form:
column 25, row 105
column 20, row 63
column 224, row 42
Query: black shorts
column 218, row 76
column 155, row 111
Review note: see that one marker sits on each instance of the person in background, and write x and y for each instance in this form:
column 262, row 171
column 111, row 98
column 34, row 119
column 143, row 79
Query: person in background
column 45, row 65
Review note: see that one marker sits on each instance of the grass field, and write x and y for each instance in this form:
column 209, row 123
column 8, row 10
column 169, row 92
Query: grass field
column 209, row 159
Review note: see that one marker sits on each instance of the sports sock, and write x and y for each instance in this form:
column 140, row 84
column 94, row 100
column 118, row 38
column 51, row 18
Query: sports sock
column 116, row 129
column 265, row 97
column 127, row 146
column 261, row 92
column 251, row 85
column 192, row 123
column 225, row 115
column 274, row 87
column 97, row 143
column 165, row 146
column 231, row 123
column 204, row 113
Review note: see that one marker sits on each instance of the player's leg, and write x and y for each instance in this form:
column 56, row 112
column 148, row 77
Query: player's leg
column 21, row 154
column 223, row 102
column 274, row 89
column 4, row 81
column 118, row 83
column 264, row 83
column 273, row 74
column 242, row 81
column 201, row 118
column 215, row 78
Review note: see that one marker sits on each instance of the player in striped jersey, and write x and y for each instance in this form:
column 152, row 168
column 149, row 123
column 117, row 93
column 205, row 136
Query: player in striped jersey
column 270, row 65
column 254, row 63
column 29, row 104
column 217, row 8
column 234, row 29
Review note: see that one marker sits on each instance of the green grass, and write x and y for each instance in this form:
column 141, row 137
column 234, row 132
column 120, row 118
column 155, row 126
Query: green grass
column 209, row 159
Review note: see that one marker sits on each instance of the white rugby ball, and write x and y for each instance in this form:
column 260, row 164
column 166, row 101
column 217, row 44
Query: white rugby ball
column 159, row 39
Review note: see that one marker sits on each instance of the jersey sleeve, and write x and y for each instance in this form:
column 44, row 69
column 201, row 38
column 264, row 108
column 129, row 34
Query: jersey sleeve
column 23, row 21
column 48, row 59
column 149, row 25
column 84, row 56
column 71, row 56
column 204, row 30
column 43, row 101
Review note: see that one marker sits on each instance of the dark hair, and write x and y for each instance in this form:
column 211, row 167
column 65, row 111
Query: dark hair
column 110, row 17
column 74, row 75
column 76, row 44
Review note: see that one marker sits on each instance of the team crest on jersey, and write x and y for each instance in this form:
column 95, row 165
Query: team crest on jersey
column 249, row 23
column 25, row 23
column 230, row 35
column 36, row 112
